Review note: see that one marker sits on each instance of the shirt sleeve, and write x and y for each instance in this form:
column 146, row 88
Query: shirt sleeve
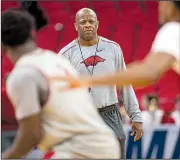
column 167, row 40
column 23, row 92
column 118, row 58
column 128, row 95
column 65, row 52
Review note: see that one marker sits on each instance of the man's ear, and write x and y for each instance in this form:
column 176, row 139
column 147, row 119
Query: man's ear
column 75, row 25
column 97, row 24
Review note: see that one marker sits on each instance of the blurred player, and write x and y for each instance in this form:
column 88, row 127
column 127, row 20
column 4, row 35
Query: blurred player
column 65, row 123
column 164, row 54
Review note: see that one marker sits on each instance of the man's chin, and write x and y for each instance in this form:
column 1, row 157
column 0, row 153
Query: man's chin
column 88, row 38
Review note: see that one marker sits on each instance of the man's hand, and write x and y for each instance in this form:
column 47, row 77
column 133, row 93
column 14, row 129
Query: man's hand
column 137, row 130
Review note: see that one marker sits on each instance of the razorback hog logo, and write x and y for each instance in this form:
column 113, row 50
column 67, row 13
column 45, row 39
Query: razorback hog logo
column 92, row 61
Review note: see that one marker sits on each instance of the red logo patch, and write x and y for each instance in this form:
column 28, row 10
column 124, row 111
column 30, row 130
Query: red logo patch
column 92, row 61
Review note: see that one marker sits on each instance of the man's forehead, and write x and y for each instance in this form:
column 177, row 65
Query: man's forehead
column 86, row 17
column 85, row 14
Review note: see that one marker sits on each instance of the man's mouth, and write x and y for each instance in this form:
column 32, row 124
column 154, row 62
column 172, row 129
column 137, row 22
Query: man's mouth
column 88, row 31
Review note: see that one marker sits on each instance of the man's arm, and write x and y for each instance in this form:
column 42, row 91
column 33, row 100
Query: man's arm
column 23, row 93
column 131, row 104
column 130, row 100
column 129, row 97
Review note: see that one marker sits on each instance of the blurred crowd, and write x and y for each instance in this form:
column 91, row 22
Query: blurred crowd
column 153, row 113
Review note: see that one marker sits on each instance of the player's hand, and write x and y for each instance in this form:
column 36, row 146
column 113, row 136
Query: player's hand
column 137, row 130
column 73, row 82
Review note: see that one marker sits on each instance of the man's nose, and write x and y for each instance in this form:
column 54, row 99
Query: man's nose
column 87, row 24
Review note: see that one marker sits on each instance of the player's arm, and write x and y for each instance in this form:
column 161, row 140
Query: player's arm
column 138, row 74
column 165, row 50
column 23, row 93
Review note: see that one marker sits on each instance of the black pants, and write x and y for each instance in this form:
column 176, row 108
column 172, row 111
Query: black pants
column 112, row 117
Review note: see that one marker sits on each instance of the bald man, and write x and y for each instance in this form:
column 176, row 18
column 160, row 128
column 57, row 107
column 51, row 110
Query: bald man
column 91, row 55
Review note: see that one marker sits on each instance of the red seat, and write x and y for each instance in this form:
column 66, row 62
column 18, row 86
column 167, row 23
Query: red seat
column 55, row 6
column 131, row 11
column 77, row 5
column 150, row 18
column 69, row 34
column 168, row 86
column 61, row 16
column 107, row 22
column 47, row 38
column 144, row 42
column 124, row 37
column 127, row 5
column 9, row 4
column 56, row 12
column 50, row 38
column 99, row 6
column 151, row 5
column 8, row 118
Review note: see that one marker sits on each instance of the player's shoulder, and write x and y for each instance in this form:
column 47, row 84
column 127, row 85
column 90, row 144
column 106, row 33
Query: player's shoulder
column 109, row 42
column 54, row 57
column 68, row 47
column 35, row 57
column 170, row 28
column 21, row 75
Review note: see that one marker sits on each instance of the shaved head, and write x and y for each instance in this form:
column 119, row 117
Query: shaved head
column 85, row 11
column 86, row 24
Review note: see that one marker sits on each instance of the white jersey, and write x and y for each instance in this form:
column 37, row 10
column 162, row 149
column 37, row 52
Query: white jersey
column 168, row 41
column 67, row 116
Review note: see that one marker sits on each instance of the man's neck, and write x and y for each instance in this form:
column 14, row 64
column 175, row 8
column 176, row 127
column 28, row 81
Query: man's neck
column 23, row 50
column 88, row 43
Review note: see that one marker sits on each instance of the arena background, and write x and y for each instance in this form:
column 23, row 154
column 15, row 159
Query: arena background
column 132, row 24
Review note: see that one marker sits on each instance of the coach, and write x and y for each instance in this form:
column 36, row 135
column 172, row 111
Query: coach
column 91, row 55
